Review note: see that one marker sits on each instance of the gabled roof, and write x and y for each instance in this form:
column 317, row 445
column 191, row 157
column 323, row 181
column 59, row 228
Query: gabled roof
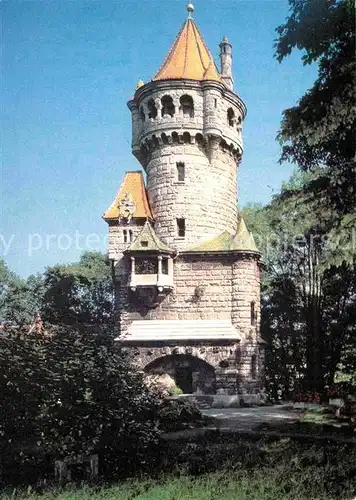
column 132, row 188
column 189, row 57
column 242, row 240
column 148, row 241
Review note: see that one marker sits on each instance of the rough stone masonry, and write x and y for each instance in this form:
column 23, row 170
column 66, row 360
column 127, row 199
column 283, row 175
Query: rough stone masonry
column 186, row 269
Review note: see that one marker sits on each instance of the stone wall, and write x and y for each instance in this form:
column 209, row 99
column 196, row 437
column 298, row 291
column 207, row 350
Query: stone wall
column 206, row 199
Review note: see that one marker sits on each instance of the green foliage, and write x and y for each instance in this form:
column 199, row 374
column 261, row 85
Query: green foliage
column 79, row 293
column 235, row 467
column 308, row 304
column 178, row 414
column 319, row 132
column 72, row 394
column 19, row 299
column 174, row 390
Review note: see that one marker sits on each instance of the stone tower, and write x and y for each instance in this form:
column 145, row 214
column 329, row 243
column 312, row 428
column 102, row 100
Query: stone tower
column 187, row 270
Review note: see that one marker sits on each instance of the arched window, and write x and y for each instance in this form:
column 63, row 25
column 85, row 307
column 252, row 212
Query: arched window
column 199, row 139
column 167, row 106
column 231, row 117
column 164, row 138
column 152, row 110
column 187, row 106
column 186, row 137
column 175, row 137
column 253, row 313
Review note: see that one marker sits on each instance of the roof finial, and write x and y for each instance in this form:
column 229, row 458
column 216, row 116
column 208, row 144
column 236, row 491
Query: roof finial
column 190, row 9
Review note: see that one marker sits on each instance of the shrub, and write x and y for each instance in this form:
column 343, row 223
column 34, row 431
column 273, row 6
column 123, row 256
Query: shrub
column 178, row 414
column 75, row 394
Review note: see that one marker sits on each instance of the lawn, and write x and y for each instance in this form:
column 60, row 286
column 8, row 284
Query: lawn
column 261, row 485
column 230, row 468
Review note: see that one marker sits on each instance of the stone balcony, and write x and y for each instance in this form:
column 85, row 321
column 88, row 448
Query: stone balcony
column 161, row 281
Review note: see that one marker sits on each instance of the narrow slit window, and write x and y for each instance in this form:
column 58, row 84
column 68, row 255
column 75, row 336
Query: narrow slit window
column 254, row 366
column 181, row 227
column 215, row 103
column 125, row 236
column 253, row 313
column 130, row 235
column 181, row 171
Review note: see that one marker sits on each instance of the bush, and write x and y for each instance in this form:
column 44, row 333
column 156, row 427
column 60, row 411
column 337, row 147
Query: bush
column 178, row 414
column 175, row 391
column 75, row 394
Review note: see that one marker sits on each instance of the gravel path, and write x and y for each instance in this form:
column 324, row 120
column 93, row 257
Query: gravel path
column 250, row 418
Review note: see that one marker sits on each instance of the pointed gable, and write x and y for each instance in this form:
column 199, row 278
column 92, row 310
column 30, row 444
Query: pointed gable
column 148, row 241
column 242, row 240
column 132, row 189
column 189, row 57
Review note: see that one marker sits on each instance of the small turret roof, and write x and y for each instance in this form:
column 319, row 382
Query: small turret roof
column 132, row 187
column 242, row 240
column 189, row 57
column 148, row 241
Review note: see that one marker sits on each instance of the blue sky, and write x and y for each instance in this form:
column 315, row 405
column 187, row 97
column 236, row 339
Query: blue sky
column 69, row 67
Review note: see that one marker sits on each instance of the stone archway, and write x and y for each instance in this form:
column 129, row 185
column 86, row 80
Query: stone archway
column 190, row 373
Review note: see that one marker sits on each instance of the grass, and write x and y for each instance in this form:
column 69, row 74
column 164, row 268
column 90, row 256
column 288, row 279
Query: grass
column 224, row 485
column 230, row 467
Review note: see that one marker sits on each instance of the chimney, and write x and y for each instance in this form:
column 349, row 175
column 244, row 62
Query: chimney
column 226, row 62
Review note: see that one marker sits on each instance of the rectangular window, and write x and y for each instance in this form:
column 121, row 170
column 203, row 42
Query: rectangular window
column 181, row 227
column 181, row 171
column 215, row 103
column 164, row 266
column 125, row 235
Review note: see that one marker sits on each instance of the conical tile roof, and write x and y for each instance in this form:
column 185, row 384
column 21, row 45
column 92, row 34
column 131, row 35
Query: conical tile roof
column 189, row 57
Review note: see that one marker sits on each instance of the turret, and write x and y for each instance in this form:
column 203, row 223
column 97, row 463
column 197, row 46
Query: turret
column 187, row 135
column 226, row 62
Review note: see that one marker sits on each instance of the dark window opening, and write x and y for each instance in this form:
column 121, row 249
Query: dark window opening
column 164, row 138
column 253, row 313
column 130, row 235
column 181, row 227
column 175, row 137
column 187, row 106
column 165, row 266
column 142, row 114
column 215, row 103
column 152, row 110
column 186, row 137
column 199, row 139
column 146, row 266
column 125, row 235
column 144, row 244
column 181, row 171
column 254, row 366
column 167, row 106
column 231, row 117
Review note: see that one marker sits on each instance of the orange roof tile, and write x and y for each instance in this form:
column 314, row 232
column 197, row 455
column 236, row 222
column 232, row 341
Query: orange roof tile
column 189, row 57
column 133, row 188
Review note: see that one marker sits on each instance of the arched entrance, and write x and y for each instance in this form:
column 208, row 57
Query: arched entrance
column 191, row 374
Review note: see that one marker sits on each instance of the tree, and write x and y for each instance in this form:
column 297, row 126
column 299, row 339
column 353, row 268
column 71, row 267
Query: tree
column 80, row 292
column 20, row 299
column 318, row 134
column 307, row 309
